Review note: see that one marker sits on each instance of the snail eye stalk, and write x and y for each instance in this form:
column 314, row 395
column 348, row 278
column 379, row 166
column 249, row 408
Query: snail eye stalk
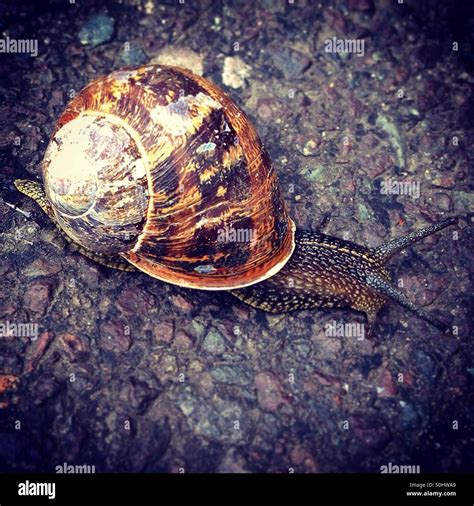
column 386, row 251
column 391, row 248
column 383, row 287
column 36, row 192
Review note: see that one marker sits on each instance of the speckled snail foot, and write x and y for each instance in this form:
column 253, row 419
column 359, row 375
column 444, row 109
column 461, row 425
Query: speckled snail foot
column 157, row 168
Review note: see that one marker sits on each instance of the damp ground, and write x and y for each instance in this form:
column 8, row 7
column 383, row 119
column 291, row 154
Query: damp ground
column 129, row 374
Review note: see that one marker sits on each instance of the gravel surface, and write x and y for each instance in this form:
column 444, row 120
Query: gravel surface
column 130, row 374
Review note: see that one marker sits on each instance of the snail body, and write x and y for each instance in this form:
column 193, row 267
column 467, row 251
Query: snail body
column 153, row 166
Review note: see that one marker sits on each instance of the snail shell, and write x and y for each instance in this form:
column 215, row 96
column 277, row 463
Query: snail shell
column 158, row 165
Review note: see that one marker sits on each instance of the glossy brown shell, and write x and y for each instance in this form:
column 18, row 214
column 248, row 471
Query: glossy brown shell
column 209, row 214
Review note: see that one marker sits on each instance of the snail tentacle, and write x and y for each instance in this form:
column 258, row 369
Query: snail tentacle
column 386, row 251
column 36, row 192
column 382, row 286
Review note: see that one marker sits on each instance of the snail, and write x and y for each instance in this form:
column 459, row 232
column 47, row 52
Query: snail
column 153, row 168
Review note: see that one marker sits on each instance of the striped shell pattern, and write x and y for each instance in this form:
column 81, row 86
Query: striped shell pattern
column 160, row 166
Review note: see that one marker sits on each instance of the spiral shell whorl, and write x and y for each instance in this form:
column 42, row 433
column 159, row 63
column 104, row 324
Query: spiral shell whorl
column 95, row 178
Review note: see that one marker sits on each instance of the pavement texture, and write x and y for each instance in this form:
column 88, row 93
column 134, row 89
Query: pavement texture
column 130, row 374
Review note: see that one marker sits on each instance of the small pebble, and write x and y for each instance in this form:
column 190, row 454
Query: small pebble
column 42, row 267
column 97, row 30
column 309, row 148
column 183, row 341
column 115, row 335
column 180, row 57
column 235, row 72
column 182, row 303
column 198, row 328
column 136, row 301
column 386, row 386
column 133, row 56
column 75, row 347
column 230, row 375
column 37, row 297
column 214, row 343
column 290, row 62
column 268, row 392
column 443, row 201
column 163, row 331
column 374, row 434
column 36, row 350
column 264, row 109
column 8, row 382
